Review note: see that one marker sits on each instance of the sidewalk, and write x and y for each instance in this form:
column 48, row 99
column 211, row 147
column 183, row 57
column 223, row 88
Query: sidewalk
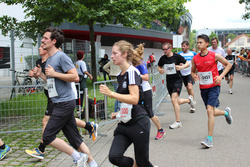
column 179, row 148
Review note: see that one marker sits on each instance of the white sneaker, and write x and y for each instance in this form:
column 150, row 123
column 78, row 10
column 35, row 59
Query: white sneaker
column 192, row 103
column 175, row 125
column 82, row 161
column 230, row 91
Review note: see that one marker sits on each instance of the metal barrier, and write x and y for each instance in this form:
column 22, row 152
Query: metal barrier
column 19, row 111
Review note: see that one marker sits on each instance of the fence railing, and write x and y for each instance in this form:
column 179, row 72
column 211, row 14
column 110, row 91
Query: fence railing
column 22, row 112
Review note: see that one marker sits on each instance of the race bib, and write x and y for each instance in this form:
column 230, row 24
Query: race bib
column 206, row 78
column 73, row 85
column 124, row 114
column 231, row 61
column 170, row 69
column 51, row 87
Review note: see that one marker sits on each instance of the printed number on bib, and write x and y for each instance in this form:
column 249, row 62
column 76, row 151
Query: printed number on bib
column 125, row 112
column 206, row 78
column 51, row 87
column 170, row 69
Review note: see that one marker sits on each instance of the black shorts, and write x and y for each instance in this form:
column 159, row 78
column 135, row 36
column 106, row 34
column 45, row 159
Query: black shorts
column 148, row 103
column 174, row 86
column 50, row 105
column 230, row 72
column 187, row 79
column 63, row 118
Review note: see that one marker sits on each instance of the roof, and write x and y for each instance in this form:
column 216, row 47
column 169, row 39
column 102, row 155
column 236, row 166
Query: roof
column 229, row 43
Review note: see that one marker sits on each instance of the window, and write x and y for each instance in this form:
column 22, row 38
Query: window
column 239, row 42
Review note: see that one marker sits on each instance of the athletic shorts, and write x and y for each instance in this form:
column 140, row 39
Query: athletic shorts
column 187, row 79
column 174, row 86
column 230, row 72
column 148, row 103
column 210, row 96
column 63, row 118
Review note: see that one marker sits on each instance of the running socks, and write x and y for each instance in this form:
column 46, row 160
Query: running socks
column 210, row 138
column 160, row 130
column 226, row 113
column 2, row 146
column 75, row 155
column 42, row 147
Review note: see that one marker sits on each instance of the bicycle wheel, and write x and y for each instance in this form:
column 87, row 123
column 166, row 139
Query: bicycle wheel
column 27, row 90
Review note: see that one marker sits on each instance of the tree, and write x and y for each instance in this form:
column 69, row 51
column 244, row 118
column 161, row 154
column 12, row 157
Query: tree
column 231, row 36
column 247, row 8
column 129, row 13
column 192, row 40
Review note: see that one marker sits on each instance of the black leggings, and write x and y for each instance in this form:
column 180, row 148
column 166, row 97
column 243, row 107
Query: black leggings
column 124, row 135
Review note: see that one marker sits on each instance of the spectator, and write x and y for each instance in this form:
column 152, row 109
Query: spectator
column 82, row 73
column 102, row 62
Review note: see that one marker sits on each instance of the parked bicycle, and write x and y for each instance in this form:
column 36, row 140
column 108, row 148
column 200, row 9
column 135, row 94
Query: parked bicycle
column 20, row 85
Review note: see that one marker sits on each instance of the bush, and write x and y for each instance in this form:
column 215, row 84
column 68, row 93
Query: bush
column 28, row 60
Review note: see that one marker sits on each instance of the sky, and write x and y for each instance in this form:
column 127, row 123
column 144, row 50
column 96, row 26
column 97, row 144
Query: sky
column 217, row 14
column 211, row 14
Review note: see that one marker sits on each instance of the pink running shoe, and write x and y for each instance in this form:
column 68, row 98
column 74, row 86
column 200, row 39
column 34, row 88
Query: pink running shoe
column 160, row 134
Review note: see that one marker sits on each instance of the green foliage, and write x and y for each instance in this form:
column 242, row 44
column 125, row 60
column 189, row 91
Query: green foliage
column 247, row 8
column 129, row 13
column 28, row 60
column 231, row 36
column 192, row 40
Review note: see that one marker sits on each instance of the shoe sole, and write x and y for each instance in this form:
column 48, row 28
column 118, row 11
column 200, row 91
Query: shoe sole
column 161, row 137
column 175, row 128
column 230, row 113
column 192, row 111
column 6, row 154
column 203, row 144
column 34, row 155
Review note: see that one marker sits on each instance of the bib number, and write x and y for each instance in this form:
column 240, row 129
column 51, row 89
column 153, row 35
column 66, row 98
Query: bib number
column 170, row 69
column 51, row 87
column 206, row 78
column 231, row 61
column 124, row 114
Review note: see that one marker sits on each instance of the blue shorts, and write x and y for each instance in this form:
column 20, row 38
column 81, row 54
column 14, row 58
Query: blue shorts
column 210, row 96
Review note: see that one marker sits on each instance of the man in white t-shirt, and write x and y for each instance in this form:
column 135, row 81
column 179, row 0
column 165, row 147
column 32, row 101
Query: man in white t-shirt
column 219, row 50
column 186, row 73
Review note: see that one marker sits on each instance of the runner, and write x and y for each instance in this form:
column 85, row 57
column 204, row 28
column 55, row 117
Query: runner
column 186, row 73
column 60, row 72
column 147, row 92
column 4, row 150
column 135, row 125
column 206, row 64
column 231, row 59
column 39, row 152
column 171, row 64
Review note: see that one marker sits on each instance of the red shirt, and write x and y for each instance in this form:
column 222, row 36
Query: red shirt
column 207, row 63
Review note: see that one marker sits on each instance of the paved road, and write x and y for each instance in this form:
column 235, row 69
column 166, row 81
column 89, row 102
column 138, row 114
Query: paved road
column 181, row 147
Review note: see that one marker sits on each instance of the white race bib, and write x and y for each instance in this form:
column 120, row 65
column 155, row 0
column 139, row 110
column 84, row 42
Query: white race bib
column 51, row 87
column 125, row 112
column 170, row 69
column 206, row 78
column 73, row 85
column 231, row 61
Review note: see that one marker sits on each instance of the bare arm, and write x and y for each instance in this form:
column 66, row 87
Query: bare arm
column 193, row 71
column 70, row 76
column 131, row 98
column 225, row 63
column 160, row 69
column 179, row 67
column 145, row 77
column 88, row 74
column 106, row 67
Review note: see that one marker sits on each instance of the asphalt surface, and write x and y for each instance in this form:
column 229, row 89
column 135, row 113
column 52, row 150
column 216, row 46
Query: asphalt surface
column 181, row 147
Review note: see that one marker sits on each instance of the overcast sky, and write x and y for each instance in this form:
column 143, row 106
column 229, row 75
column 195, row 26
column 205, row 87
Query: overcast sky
column 217, row 14
column 206, row 13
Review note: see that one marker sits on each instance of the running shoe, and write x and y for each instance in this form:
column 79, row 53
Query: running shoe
column 4, row 152
column 35, row 153
column 230, row 91
column 93, row 132
column 160, row 134
column 192, row 103
column 175, row 125
column 82, row 161
column 207, row 143
column 229, row 117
